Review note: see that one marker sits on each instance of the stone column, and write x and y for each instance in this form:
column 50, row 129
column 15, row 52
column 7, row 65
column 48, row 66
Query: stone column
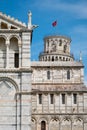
column 20, row 55
column 7, row 54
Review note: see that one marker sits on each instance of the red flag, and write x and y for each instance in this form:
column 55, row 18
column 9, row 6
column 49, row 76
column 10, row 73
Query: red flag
column 54, row 23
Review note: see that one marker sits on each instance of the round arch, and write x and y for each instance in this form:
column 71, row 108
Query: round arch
column 3, row 36
column 55, row 118
column 78, row 118
column 33, row 119
column 66, row 118
column 15, row 36
column 43, row 119
column 10, row 80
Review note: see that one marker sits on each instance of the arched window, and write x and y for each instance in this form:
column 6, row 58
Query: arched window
column 68, row 74
column 63, row 98
column 53, row 47
column 14, row 53
column 60, row 42
column 65, row 46
column 52, row 58
column 63, row 58
column 60, row 58
column 51, row 98
column 16, row 60
column 74, row 98
column 43, row 125
column 48, row 74
column 40, row 98
column 48, row 43
column 66, row 59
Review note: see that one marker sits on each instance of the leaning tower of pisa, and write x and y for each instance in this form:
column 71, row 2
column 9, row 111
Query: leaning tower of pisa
column 56, row 48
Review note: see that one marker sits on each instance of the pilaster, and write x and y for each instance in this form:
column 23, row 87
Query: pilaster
column 26, row 40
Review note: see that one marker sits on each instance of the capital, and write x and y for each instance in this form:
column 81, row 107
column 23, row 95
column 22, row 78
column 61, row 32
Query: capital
column 7, row 42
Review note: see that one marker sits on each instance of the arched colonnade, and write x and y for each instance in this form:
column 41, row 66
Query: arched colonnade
column 55, row 123
column 10, row 48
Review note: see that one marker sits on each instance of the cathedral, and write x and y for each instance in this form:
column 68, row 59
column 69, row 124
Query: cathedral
column 48, row 94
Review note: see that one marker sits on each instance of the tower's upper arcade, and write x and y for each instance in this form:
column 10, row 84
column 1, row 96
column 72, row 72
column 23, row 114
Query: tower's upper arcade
column 56, row 48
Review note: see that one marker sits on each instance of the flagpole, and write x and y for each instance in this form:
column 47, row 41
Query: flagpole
column 54, row 25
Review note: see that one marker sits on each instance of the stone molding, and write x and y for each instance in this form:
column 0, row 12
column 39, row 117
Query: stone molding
column 59, row 36
column 58, row 64
column 14, row 70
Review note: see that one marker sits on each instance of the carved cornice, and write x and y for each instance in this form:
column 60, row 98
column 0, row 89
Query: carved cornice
column 62, row 114
column 57, row 36
column 14, row 30
column 12, row 20
column 51, row 83
column 59, row 64
column 56, row 88
column 15, row 70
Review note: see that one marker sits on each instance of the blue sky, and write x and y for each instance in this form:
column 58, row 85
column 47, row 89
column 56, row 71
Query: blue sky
column 71, row 16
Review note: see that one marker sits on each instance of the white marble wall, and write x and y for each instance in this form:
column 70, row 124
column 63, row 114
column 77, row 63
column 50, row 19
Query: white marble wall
column 57, row 75
column 57, row 106
column 15, row 101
